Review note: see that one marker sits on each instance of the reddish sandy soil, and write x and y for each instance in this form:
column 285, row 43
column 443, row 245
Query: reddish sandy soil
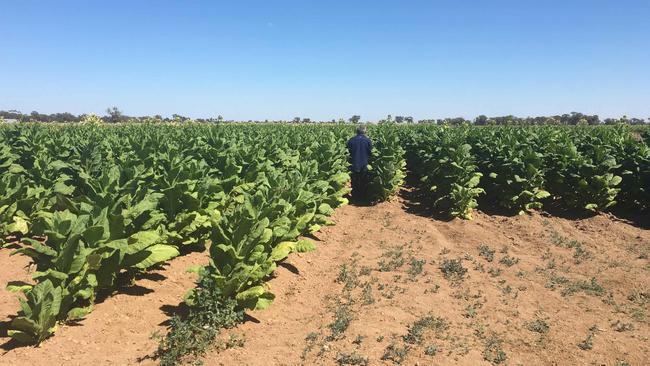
column 527, row 306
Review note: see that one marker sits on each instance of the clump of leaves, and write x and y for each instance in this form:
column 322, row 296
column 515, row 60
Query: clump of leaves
column 591, row 287
column 639, row 297
column 493, row 351
column 188, row 338
column 395, row 353
column 485, row 252
column 395, row 259
column 495, row 272
column 509, row 261
column 365, row 271
column 556, row 281
column 342, row 318
column 431, row 350
column 416, row 330
column 538, row 326
column 580, row 253
column 366, row 294
column 622, row 327
column 588, row 343
column 234, row 340
column 353, row 358
column 433, row 290
column 415, row 267
column 453, row 270
column 347, row 276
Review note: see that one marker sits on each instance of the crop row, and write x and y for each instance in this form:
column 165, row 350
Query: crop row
column 521, row 168
column 113, row 201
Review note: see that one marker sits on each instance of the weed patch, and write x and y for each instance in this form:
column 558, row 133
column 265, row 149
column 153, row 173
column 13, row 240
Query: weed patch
column 395, row 353
column 485, row 252
column 493, row 351
column 453, row 270
column 353, row 358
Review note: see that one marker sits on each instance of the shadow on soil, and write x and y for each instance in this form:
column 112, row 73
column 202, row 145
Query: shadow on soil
column 10, row 343
column 417, row 202
column 289, row 267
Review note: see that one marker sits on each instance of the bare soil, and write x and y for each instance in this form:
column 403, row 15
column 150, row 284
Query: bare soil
column 545, row 291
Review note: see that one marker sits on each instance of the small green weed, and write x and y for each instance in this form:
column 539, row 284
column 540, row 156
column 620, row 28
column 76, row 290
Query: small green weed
column 485, row 252
column 453, row 270
column 353, row 358
column 416, row 267
column 588, row 343
column 343, row 316
column 622, row 327
column 395, row 353
column 416, row 330
column 493, row 351
column 538, row 326
column 366, row 294
column 509, row 261
column 395, row 259
column 431, row 350
column 495, row 272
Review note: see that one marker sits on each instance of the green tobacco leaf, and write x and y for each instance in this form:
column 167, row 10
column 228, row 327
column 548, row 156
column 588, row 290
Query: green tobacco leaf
column 304, row 245
column 255, row 298
column 22, row 337
column 18, row 286
column 79, row 313
column 18, row 226
column 282, row 250
column 158, row 253
column 64, row 189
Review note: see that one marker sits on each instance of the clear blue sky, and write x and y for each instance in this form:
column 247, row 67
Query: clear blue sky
column 327, row 59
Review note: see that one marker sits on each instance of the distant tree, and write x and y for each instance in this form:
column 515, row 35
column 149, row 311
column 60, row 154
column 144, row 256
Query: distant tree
column 114, row 115
column 179, row 118
column 409, row 119
column 296, row 120
column 355, row 119
column 481, row 120
column 306, row 120
column 399, row 119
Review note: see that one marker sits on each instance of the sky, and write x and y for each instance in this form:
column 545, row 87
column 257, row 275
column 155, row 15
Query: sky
column 327, row 59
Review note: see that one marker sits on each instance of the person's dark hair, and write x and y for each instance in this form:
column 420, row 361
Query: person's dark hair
column 361, row 130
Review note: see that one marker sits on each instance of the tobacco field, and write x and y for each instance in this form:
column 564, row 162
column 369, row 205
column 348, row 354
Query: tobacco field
column 94, row 205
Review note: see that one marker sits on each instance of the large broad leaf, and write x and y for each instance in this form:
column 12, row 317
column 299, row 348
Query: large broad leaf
column 142, row 240
column 94, row 234
column 304, row 246
column 256, row 297
column 18, row 286
column 18, row 226
column 282, row 250
column 158, row 253
column 22, row 337
column 79, row 313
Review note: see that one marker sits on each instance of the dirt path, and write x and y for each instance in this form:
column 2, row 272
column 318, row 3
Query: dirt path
column 528, row 299
column 513, row 304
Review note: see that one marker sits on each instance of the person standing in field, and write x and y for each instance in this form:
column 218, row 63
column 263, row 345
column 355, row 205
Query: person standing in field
column 360, row 148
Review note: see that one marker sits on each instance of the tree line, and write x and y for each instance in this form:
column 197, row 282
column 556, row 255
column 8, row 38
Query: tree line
column 115, row 115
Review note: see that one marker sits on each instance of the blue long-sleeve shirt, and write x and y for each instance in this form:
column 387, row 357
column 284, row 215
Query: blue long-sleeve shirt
column 360, row 148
